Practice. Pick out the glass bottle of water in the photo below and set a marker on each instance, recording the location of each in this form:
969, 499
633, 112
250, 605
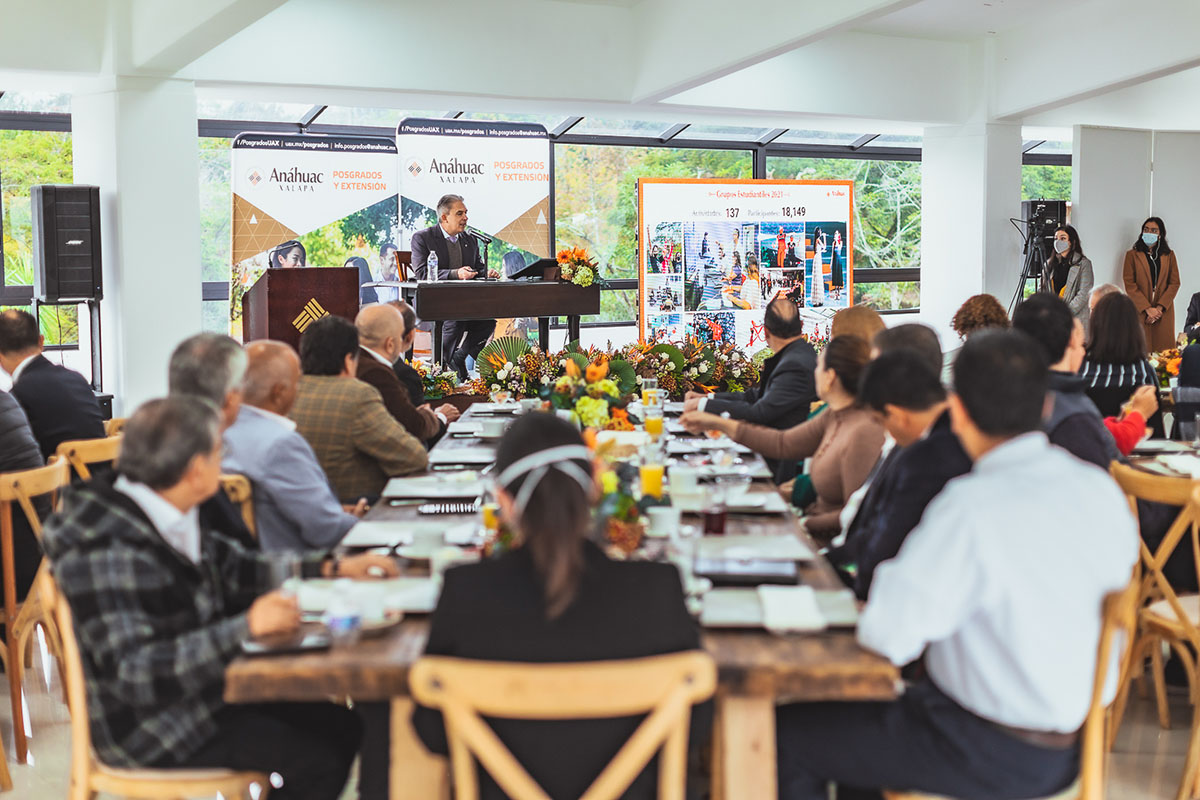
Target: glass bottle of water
343, 616
431, 270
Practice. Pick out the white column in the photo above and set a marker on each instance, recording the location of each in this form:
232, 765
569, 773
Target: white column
1110, 194
1176, 200
138, 143
970, 188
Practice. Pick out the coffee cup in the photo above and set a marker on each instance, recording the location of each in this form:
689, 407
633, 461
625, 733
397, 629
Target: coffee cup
683, 479
664, 521
492, 428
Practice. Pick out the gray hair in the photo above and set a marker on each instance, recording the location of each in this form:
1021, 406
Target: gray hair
163, 436
207, 365
1103, 289
443, 206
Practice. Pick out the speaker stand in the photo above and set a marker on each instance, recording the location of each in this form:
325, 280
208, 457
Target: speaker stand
94, 327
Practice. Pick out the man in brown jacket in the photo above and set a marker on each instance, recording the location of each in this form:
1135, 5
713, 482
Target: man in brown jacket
359, 444
381, 334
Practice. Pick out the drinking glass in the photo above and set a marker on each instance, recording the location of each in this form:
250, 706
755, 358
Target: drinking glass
716, 511
649, 391
284, 573
653, 417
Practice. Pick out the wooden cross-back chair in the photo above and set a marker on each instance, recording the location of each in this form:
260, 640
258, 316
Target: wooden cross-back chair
1165, 614
664, 687
241, 493
82, 454
114, 426
1119, 613
89, 775
20, 620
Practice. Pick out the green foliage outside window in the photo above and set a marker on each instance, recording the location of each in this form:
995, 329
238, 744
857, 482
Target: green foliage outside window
29, 158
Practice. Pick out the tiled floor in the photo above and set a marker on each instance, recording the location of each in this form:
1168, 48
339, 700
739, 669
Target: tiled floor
1145, 765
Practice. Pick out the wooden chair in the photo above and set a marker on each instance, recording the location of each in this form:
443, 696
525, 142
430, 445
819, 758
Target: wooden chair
82, 453
1119, 621
1166, 615
665, 687
89, 776
20, 620
238, 489
114, 426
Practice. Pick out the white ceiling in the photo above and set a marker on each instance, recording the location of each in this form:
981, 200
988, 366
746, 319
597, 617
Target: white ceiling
891, 65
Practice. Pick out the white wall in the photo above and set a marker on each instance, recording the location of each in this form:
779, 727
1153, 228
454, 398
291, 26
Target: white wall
137, 142
970, 187
1176, 198
1110, 194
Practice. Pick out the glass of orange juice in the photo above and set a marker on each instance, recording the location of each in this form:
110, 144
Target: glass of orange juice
653, 418
491, 516
652, 479
649, 391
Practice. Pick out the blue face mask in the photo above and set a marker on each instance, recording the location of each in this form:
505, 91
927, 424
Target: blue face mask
1150, 239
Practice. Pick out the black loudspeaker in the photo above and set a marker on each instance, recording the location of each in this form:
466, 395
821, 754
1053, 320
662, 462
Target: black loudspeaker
66, 243
1043, 217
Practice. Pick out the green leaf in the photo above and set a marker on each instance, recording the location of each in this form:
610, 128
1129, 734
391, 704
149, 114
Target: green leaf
621, 371
508, 348
673, 353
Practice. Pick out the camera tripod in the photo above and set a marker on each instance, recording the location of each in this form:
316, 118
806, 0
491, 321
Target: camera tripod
1035, 259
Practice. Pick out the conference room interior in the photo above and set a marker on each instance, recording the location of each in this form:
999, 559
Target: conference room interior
944, 115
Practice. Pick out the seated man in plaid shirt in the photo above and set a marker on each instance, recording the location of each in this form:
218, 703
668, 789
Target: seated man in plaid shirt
162, 605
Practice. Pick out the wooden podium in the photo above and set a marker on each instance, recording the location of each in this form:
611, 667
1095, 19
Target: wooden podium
283, 302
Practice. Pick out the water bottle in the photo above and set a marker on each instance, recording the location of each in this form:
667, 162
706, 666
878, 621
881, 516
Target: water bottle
343, 616
432, 269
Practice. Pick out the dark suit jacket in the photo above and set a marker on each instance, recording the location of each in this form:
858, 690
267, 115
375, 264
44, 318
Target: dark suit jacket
433, 239
424, 426
906, 484
19, 451
411, 380
1193, 312
59, 403
781, 400
625, 609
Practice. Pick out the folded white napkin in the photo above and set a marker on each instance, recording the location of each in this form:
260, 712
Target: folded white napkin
1184, 464
788, 609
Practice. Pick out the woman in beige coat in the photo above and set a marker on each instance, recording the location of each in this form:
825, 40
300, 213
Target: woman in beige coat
1151, 276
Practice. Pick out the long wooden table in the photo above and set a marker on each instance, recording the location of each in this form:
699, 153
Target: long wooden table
756, 671
441, 301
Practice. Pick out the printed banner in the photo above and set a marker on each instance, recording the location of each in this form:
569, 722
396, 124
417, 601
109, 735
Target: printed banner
713, 253
501, 169
336, 196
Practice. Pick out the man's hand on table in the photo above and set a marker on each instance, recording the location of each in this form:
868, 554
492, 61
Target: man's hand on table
493, 274
364, 565
466, 273
449, 412
274, 614
359, 509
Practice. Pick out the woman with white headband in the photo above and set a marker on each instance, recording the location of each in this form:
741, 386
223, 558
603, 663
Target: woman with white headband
556, 597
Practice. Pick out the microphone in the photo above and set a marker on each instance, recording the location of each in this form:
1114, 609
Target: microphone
480, 235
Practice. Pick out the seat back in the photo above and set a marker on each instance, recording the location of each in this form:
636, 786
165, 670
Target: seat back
114, 426
663, 687
240, 492
82, 453
1140, 485
72, 665
22, 487
1119, 623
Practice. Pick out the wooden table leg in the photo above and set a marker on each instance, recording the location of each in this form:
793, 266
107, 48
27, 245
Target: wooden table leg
744, 749
414, 773
544, 334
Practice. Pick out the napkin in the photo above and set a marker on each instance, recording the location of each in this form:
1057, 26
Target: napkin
1185, 464
436, 487
763, 547
379, 533
462, 455
788, 609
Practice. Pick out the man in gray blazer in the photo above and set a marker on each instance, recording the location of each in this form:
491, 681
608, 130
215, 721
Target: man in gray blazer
294, 505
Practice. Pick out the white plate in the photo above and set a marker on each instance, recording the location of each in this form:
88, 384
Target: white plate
494, 408
742, 608
754, 547
1161, 446
412, 595
436, 487
462, 455
752, 503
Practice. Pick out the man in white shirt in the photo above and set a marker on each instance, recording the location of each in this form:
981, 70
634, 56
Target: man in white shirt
294, 505
1000, 588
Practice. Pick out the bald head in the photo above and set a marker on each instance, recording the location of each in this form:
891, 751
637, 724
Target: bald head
272, 376
381, 328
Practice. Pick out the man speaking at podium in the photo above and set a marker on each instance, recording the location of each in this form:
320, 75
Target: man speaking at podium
457, 258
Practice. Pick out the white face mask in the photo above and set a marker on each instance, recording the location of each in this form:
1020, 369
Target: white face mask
1061, 246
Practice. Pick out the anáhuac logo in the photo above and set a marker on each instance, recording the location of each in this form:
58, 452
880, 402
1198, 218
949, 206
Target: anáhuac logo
414, 168
254, 176
455, 171
296, 180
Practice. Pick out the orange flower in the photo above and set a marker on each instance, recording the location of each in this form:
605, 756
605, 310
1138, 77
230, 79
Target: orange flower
589, 438
597, 371
1173, 366
704, 388
572, 368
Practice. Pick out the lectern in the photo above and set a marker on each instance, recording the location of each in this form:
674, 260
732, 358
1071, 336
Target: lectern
283, 302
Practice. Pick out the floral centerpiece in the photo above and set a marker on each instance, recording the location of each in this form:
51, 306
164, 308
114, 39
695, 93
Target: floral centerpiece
576, 266
735, 371
437, 382
596, 393
619, 509
1166, 364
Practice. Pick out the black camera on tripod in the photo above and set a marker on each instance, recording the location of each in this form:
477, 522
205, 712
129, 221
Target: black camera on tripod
1042, 218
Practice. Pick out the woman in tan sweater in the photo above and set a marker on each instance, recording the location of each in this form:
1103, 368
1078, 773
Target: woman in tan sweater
843, 442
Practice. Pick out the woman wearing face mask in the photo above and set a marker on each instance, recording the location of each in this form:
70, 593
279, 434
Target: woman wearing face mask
1068, 273
1151, 280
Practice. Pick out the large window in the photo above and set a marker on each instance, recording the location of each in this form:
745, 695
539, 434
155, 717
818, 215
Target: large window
887, 219
216, 219
1045, 182
29, 158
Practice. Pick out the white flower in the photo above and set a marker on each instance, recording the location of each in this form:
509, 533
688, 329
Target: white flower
508, 363
705, 366
639, 379
545, 381
495, 387
737, 372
